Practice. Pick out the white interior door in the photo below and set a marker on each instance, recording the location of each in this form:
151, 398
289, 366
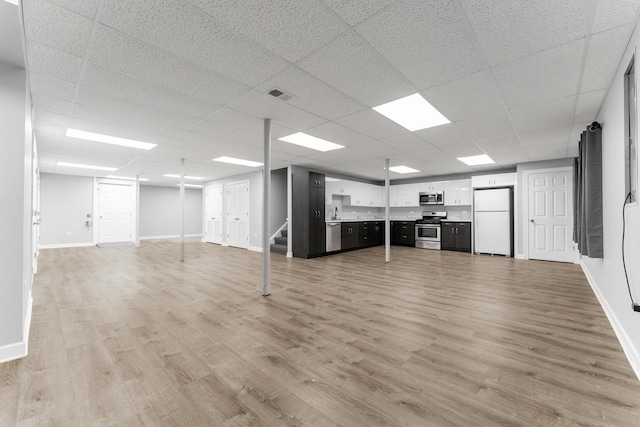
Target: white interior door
238, 214
35, 235
115, 204
550, 226
213, 214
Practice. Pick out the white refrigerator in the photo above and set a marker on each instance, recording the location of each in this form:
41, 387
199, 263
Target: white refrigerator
493, 221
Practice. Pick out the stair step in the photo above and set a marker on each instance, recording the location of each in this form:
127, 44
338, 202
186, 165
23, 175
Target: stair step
280, 240
284, 233
281, 249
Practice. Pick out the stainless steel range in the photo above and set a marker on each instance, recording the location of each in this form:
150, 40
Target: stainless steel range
428, 230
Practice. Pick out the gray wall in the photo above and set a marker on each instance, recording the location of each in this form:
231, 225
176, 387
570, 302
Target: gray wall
160, 211
15, 210
65, 201
278, 199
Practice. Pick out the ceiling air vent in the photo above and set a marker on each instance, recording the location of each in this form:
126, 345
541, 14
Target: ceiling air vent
280, 94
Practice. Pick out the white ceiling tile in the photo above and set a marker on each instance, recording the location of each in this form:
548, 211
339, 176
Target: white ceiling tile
372, 124
589, 105
356, 11
463, 149
407, 142
126, 107
238, 120
603, 58
261, 105
504, 143
442, 135
124, 86
546, 136
86, 8
548, 152
181, 29
489, 127
44, 85
380, 149
54, 63
311, 94
289, 28
48, 103
613, 13
517, 28
550, 74
552, 113
352, 66
122, 53
429, 42
333, 132
46, 117
56, 27
473, 93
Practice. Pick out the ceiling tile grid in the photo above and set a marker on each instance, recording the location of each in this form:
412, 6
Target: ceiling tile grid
54, 63
602, 60
355, 11
44, 84
180, 28
290, 28
429, 42
613, 13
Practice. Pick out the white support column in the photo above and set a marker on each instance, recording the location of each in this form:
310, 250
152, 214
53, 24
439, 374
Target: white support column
289, 213
137, 210
266, 211
387, 221
182, 210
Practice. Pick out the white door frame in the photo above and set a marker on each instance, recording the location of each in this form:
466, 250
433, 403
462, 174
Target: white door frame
525, 210
96, 206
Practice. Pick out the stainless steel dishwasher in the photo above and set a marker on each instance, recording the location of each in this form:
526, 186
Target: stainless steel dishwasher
334, 237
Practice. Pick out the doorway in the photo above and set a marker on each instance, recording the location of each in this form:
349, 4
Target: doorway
116, 203
213, 212
238, 201
550, 215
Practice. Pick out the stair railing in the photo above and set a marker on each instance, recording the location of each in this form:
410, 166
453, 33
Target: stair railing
272, 240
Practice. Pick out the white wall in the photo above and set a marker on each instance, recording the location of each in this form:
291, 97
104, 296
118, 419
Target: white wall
15, 212
255, 207
160, 211
607, 275
65, 201
278, 201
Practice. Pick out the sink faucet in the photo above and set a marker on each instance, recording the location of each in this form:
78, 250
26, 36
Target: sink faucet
335, 215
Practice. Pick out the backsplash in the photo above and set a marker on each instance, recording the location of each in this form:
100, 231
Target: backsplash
360, 212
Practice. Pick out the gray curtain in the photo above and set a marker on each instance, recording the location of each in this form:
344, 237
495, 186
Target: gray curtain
587, 218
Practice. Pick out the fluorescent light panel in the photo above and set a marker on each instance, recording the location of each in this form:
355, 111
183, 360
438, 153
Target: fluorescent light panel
482, 159
311, 142
234, 161
81, 166
412, 112
173, 175
403, 169
80, 134
191, 185
12, 1
329, 179
128, 178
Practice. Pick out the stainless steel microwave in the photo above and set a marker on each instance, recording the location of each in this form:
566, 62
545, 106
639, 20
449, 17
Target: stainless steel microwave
432, 198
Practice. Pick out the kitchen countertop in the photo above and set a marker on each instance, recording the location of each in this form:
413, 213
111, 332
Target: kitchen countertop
457, 220
334, 221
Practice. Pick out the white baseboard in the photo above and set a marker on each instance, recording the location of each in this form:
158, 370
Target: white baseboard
13, 351
66, 245
27, 323
224, 244
255, 248
168, 236
630, 350
289, 254
519, 256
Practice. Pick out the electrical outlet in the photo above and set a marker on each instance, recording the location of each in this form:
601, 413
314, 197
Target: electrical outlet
636, 307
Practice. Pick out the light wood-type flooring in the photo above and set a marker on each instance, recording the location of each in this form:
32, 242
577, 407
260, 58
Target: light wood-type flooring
131, 336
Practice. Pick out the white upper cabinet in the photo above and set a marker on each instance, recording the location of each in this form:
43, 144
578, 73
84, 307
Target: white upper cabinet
404, 195
328, 192
495, 180
430, 187
342, 187
363, 194
457, 193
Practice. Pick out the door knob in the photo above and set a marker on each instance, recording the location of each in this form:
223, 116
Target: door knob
531, 221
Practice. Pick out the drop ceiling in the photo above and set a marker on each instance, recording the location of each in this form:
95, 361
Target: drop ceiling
518, 79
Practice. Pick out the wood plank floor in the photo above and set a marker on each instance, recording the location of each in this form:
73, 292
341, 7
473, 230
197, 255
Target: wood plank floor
131, 336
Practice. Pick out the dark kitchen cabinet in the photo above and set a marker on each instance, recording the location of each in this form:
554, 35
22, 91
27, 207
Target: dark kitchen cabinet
456, 236
377, 233
350, 234
309, 230
403, 233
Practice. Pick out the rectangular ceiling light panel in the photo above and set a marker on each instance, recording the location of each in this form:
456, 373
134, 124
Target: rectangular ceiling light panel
12, 1
97, 137
81, 166
482, 159
234, 161
412, 112
173, 175
402, 169
128, 178
311, 142
191, 185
